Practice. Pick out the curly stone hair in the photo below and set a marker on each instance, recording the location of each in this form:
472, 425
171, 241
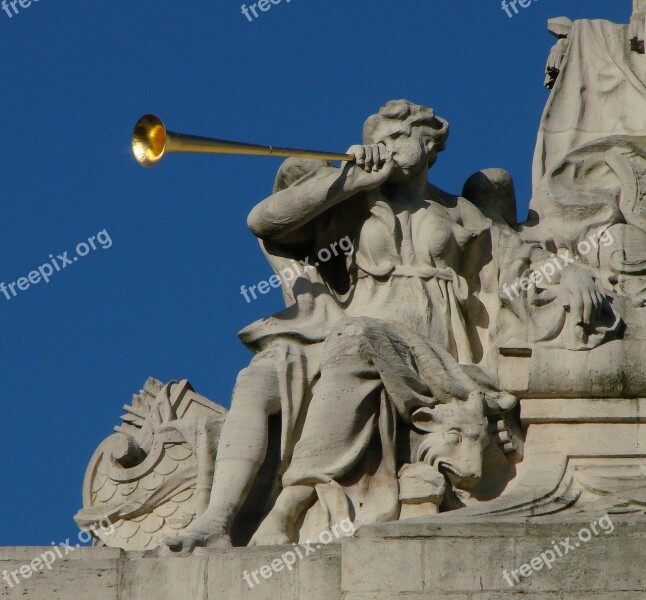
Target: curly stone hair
401, 116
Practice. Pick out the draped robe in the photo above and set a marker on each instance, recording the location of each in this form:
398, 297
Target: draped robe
372, 336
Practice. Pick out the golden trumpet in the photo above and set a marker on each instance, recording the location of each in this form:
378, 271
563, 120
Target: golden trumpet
151, 140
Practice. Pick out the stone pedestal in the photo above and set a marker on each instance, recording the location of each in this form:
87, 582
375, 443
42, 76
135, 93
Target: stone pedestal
584, 456
465, 561
581, 479
110, 574
409, 560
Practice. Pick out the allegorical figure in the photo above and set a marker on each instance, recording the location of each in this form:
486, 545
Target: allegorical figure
381, 337
590, 161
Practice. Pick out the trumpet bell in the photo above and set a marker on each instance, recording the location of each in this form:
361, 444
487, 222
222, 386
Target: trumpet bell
149, 140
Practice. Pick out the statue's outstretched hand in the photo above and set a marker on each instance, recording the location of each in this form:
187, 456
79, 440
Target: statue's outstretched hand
581, 294
372, 167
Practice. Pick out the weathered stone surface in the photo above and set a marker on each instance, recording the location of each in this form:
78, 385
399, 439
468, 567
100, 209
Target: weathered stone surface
603, 595
109, 574
90, 571
626, 562
445, 557
453, 562
516, 596
167, 579
457, 559
399, 568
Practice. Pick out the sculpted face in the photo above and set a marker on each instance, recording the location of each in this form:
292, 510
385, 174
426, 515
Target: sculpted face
458, 435
412, 133
412, 153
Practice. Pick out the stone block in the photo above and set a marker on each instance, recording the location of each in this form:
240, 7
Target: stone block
83, 570
464, 565
167, 578
378, 566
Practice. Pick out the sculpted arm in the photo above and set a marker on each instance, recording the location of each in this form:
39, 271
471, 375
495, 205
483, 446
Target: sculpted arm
577, 286
285, 214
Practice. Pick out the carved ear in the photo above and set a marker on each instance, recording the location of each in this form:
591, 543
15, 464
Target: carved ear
499, 402
426, 419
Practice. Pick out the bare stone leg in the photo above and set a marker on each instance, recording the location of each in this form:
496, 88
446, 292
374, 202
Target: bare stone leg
349, 388
278, 526
241, 451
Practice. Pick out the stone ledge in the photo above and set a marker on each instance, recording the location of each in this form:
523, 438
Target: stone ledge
583, 410
409, 560
110, 574
465, 560
443, 525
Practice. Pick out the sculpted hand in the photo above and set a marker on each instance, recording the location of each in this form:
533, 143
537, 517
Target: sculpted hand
580, 292
372, 167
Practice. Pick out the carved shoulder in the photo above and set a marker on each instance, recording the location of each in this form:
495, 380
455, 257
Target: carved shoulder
560, 28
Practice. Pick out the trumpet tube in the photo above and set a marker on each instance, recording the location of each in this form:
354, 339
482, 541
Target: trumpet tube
151, 141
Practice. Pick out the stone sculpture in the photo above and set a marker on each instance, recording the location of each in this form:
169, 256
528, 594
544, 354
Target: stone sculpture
590, 156
154, 475
405, 322
453, 361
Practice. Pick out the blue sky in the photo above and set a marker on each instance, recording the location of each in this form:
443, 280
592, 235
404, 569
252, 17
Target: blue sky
164, 299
